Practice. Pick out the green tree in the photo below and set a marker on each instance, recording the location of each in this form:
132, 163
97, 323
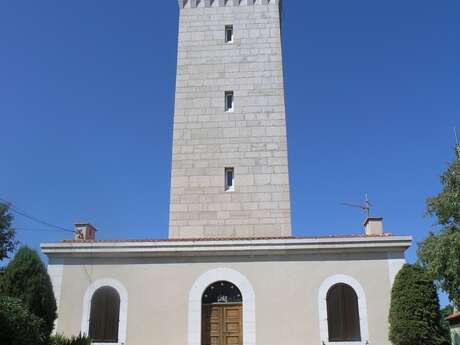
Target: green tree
26, 278
2, 270
18, 326
7, 232
440, 252
415, 318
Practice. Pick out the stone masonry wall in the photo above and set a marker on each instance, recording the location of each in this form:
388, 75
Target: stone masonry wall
251, 139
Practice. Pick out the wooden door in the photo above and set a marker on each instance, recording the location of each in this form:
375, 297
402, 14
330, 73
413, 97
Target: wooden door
222, 324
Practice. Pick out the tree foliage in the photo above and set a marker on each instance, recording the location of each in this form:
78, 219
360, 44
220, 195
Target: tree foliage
18, 326
26, 278
446, 205
7, 232
415, 318
440, 253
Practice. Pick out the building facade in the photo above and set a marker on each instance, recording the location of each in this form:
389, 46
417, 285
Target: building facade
230, 272
284, 285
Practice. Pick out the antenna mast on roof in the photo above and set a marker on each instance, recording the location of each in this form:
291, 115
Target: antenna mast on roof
457, 144
366, 206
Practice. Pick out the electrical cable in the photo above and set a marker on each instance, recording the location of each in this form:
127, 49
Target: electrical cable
24, 214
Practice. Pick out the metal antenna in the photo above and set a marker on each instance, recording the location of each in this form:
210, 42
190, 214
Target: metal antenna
366, 206
457, 144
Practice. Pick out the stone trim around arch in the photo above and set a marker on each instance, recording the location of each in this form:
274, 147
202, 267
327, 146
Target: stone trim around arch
249, 303
123, 323
362, 306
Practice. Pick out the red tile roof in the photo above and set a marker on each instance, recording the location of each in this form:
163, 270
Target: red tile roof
203, 239
455, 317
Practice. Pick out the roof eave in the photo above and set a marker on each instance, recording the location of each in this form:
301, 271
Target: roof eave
229, 247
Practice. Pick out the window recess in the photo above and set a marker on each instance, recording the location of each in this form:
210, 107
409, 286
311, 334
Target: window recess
229, 179
229, 101
229, 34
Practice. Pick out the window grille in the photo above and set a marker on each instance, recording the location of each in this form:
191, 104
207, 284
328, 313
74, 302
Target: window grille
222, 292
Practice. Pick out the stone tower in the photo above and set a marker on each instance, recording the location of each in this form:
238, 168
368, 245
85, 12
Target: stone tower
230, 165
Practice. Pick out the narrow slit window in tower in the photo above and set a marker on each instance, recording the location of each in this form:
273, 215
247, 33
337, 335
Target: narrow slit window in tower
229, 34
229, 179
229, 101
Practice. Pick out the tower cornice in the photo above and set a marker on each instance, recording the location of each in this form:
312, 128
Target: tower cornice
226, 3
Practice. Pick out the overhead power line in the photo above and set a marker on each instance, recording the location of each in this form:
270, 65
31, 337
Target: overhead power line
37, 229
24, 214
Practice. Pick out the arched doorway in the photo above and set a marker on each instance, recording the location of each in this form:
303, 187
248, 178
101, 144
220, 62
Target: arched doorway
222, 315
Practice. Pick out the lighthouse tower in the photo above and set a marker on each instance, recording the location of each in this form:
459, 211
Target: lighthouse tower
230, 163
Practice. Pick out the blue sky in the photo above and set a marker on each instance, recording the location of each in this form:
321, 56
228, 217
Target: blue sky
86, 106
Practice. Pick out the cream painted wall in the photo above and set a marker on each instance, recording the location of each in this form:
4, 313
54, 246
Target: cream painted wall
286, 294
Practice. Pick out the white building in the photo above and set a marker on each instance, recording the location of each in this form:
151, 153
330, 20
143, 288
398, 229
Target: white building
230, 273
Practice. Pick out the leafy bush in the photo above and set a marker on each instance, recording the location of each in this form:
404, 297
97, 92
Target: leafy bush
60, 339
80, 340
414, 313
26, 278
17, 325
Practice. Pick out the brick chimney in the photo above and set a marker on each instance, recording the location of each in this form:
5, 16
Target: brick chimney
374, 226
85, 232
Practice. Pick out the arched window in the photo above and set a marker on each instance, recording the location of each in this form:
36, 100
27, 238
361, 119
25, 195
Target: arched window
222, 292
343, 314
104, 315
